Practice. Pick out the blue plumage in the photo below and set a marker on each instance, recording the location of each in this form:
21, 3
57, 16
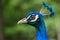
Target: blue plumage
35, 19
40, 26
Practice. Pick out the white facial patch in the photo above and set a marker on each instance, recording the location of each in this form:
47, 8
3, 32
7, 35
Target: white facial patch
36, 17
28, 17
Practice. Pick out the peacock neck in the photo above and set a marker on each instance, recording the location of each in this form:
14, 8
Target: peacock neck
41, 34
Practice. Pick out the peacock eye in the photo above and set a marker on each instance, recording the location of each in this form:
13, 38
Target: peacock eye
32, 17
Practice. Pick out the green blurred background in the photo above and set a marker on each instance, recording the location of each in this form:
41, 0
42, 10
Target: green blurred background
14, 10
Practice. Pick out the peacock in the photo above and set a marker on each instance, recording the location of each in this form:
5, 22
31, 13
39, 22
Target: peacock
35, 18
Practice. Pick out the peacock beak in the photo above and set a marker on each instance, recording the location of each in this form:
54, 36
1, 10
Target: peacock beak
24, 20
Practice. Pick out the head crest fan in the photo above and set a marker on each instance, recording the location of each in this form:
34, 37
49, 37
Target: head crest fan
42, 10
48, 7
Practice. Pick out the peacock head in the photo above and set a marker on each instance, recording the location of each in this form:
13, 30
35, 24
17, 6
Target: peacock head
32, 18
35, 18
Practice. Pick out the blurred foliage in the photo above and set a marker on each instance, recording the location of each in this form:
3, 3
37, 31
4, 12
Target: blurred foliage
15, 10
